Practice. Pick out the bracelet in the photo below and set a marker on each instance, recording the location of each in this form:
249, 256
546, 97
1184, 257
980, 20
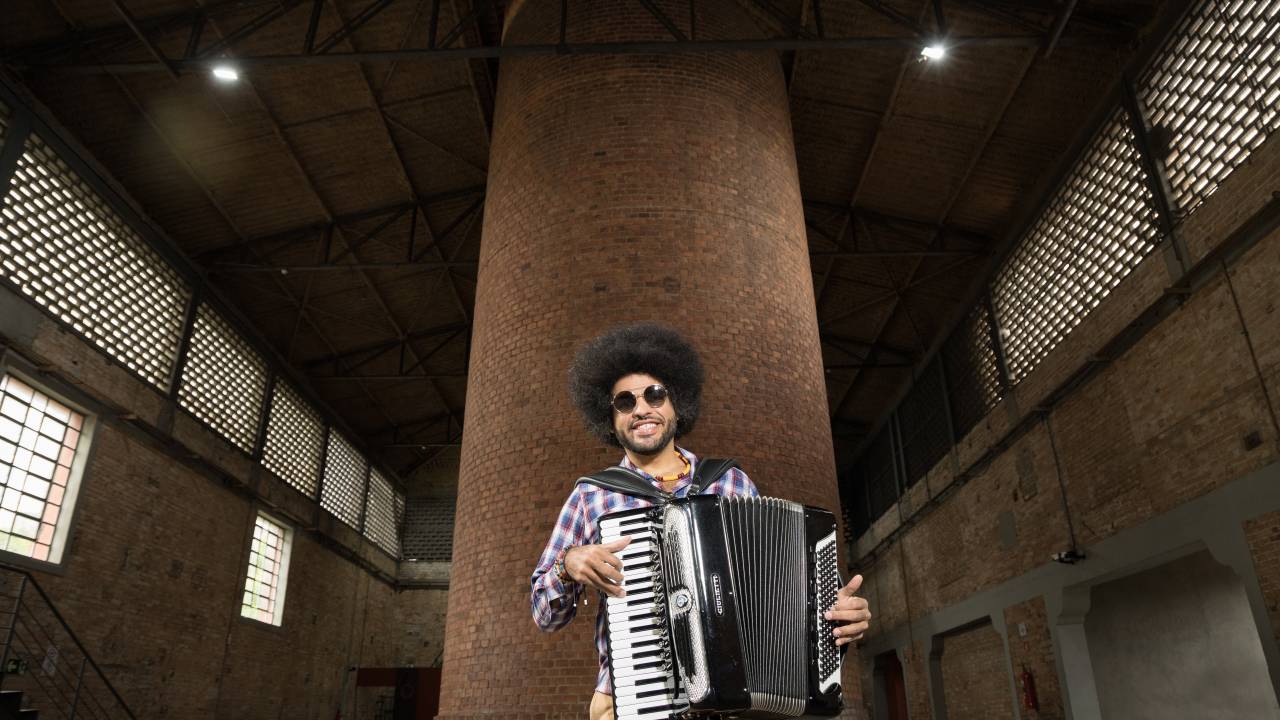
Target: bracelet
561, 572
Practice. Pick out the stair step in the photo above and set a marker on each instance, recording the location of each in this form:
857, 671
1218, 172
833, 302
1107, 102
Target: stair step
11, 700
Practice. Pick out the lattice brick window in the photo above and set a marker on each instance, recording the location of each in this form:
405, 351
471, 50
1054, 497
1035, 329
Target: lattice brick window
428, 529
295, 440
63, 247
923, 424
223, 380
43, 444
1098, 227
973, 376
1216, 87
265, 580
384, 513
345, 470
876, 468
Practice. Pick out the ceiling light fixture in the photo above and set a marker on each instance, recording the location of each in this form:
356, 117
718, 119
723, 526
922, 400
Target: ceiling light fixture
225, 73
933, 51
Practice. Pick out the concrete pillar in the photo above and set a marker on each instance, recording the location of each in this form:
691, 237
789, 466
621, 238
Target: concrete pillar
1067, 610
622, 188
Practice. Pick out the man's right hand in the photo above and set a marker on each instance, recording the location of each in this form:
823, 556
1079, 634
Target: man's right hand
597, 566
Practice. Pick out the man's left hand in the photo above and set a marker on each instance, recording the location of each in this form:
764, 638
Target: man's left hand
851, 610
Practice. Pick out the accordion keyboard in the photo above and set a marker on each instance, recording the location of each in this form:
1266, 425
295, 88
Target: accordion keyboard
640, 657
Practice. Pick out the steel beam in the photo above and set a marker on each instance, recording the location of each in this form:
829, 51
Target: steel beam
370, 11
387, 378
229, 41
661, 17
1059, 24
868, 364
142, 36
383, 345
924, 253
1157, 178
888, 219
901, 290
310, 229
241, 268
250, 62
845, 345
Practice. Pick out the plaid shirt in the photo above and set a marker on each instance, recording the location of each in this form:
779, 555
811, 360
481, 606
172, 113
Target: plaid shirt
554, 603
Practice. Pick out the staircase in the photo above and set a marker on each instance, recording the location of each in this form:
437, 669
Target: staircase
45, 671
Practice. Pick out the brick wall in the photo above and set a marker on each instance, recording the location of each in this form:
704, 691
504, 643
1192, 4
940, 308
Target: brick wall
623, 188
1186, 410
155, 564
1031, 649
428, 529
973, 678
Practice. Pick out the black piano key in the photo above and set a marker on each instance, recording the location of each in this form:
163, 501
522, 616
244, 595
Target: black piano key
652, 693
658, 711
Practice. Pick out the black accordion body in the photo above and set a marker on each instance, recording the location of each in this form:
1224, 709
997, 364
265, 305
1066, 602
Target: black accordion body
723, 611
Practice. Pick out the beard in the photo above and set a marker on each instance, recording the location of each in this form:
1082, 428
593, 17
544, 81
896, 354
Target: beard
649, 446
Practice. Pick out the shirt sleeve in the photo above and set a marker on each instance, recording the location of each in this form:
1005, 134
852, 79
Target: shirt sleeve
555, 603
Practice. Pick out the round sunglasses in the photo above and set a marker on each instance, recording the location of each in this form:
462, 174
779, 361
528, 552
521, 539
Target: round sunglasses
625, 401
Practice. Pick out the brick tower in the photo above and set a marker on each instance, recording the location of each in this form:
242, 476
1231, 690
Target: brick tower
622, 188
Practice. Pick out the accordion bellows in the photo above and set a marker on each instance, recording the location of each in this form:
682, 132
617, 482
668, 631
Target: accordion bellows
723, 612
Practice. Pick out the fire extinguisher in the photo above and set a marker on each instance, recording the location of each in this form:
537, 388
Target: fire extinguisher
1029, 699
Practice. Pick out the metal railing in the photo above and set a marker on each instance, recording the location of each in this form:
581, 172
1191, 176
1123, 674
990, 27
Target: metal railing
43, 658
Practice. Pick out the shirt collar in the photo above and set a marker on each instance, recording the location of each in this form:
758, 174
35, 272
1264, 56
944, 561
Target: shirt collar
680, 486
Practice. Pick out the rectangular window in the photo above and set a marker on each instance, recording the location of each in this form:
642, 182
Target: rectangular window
43, 446
1215, 87
345, 470
973, 375
264, 583
223, 380
1099, 225
384, 513
876, 469
922, 422
295, 440
65, 248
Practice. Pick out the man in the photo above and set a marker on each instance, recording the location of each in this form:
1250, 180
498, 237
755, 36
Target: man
639, 387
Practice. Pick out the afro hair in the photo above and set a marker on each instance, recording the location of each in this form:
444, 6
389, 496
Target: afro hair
639, 348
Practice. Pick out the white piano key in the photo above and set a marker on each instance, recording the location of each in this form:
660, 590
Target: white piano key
627, 639
617, 616
647, 710
626, 655
636, 544
664, 681
637, 599
622, 625
631, 693
635, 680
667, 693
637, 520
647, 667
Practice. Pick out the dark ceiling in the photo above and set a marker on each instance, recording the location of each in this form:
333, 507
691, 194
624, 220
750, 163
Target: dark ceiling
354, 152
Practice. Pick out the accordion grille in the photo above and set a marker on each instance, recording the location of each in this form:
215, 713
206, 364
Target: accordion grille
766, 539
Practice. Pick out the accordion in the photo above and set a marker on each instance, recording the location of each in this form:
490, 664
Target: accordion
723, 610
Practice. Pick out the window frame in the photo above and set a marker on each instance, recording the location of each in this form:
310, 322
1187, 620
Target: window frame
64, 538
286, 557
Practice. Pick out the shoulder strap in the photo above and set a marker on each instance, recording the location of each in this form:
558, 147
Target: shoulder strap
627, 482
710, 470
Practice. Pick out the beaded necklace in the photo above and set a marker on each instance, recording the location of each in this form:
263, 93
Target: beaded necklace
665, 479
